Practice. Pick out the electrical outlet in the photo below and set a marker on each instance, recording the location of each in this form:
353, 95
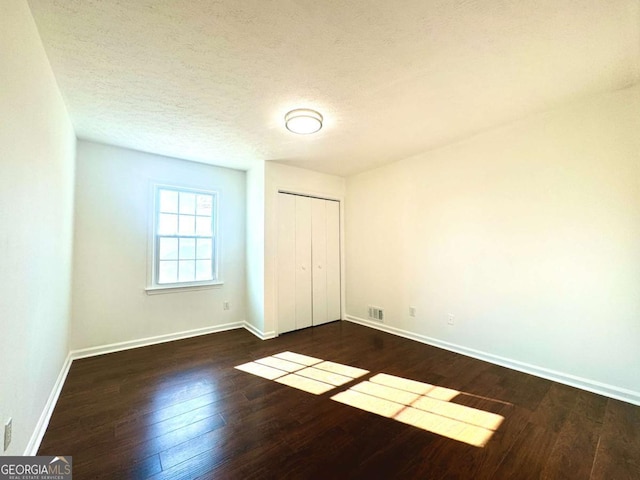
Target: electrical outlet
226, 306
7, 433
412, 311
451, 319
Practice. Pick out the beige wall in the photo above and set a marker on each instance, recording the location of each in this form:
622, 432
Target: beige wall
113, 212
528, 234
37, 144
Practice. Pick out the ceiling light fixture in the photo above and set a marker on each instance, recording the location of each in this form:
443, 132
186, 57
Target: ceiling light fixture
303, 121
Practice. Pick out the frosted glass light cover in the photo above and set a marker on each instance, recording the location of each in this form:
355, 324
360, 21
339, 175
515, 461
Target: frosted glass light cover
303, 121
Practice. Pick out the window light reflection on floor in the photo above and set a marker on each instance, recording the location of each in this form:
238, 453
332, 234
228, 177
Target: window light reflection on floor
312, 375
424, 406
421, 405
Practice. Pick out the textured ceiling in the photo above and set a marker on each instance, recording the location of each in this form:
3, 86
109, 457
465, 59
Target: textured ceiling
211, 80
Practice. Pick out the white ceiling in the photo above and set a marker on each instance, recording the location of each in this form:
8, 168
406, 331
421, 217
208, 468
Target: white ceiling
211, 80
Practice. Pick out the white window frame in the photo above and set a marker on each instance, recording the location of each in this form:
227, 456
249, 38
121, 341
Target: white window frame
153, 287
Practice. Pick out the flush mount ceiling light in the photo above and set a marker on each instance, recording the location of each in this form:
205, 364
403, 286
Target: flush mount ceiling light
303, 121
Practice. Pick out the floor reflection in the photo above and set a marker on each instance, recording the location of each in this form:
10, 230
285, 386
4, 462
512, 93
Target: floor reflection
310, 374
414, 403
423, 406
184, 407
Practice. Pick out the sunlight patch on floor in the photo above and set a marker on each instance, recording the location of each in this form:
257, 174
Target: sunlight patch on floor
296, 357
423, 406
312, 375
402, 383
419, 404
376, 405
340, 369
386, 393
324, 376
280, 364
413, 386
303, 383
261, 370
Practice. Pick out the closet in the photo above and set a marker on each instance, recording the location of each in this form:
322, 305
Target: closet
308, 261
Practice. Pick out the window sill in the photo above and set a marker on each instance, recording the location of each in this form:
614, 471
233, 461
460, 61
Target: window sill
158, 290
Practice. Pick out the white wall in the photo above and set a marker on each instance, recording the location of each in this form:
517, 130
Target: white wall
37, 144
113, 211
255, 246
295, 180
528, 234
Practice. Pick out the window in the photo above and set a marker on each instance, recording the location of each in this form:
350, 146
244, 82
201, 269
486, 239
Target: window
184, 238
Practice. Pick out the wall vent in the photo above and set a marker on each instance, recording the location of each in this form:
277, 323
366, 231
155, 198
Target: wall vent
376, 313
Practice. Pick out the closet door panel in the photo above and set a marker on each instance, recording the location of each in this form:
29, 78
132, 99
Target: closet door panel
309, 287
304, 267
286, 263
333, 260
319, 258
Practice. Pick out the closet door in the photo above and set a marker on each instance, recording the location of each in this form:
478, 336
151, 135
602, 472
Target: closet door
325, 248
319, 259
294, 262
333, 261
286, 263
303, 262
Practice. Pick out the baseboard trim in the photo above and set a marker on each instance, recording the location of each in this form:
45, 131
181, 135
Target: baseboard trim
43, 421
593, 386
259, 333
45, 416
143, 342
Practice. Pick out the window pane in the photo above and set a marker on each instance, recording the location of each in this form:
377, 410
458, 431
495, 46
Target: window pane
187, 271
168, 272
188, 203
168, 201
187, 248
168, 249
203, 226
187, 225
203, 270
184, 236
204, 204
167, 224
204, 248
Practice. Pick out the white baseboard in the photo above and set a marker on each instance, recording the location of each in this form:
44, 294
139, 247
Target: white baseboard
143, 342
259, 333
43, 421
45, 416
607, 390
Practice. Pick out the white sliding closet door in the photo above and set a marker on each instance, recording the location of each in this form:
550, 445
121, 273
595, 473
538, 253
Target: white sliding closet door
303, 261
294, 262
319, 259
286, 263
308, 262
333, 261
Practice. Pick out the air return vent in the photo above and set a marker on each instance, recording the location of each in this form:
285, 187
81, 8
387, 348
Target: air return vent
376, 313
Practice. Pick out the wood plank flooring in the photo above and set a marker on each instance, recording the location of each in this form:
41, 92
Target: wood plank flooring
180, 410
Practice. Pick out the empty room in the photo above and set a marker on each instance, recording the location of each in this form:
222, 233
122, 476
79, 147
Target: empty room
307, 239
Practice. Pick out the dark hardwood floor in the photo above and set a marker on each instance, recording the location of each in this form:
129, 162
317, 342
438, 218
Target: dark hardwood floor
180, 410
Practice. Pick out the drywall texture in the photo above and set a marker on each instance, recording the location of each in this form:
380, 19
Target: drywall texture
37, 145
294, 180
114, 209
528, 234
255, 246
212, 80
